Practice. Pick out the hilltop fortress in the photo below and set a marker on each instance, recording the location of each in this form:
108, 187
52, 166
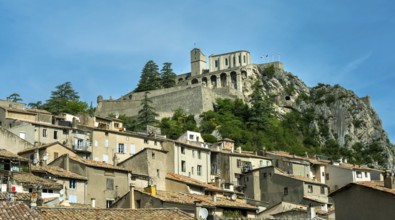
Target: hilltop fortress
228, 75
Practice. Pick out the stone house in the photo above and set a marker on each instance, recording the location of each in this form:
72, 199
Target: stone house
271, 186
112, 146
188, 160
230, 166
340, 174
193, 138
365, 200
105, 182
149, 163
190, 203
12, 142
45, 154
73, 184
35, 126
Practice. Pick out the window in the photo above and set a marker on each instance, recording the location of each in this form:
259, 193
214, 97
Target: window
327, 176
22, 135
158, 173
109, 203
199, 170
138, 203
285, 191
238, 163
234, 61
199, 154
261, 163
183, 166
309, 188
191, 137
193, 153
132, 149
55, 155
153, 155
322, 190
240, 59
121, 148
47, 190
110, 184
359, 174
264, 175
72, 199
116, 125
193, 170
106, 143
65, 131
216, 63
72, 184
55, 135
145, 141
226, 61
366, 174
244, 57
44, 132
183, 150
323, 173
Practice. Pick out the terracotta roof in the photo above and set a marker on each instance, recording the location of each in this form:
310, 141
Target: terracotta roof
5, 154
113, 214
17, 210
242, 154
206, 201
44, 146
31, 180
192, 181
316, 200
57, 172
93, 163
19, 196
375, 185
304, 179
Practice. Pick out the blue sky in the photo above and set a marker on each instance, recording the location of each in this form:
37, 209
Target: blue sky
102, 46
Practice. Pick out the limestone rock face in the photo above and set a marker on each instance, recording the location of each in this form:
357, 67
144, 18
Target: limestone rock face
338, 113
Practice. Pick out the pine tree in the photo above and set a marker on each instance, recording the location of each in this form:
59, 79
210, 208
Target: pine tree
261, 110
65, 100
150, 78
168, 76
147, 114
15, 97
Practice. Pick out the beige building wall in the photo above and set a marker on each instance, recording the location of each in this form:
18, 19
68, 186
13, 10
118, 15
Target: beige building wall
105, 145
236, 169
78, 193
49, 134
187, 157
337, 176
12, 142
229, 60
21, 116
51, 153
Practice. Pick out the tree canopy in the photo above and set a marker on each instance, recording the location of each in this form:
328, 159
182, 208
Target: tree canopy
168, 76
15, 97
146, 115
64, 100
150, 78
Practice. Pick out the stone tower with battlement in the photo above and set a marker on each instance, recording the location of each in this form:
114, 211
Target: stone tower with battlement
198, 62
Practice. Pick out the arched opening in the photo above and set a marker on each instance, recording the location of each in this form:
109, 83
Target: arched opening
223, 80
244, 74
204, 81
195, 81
180, 80
213, 81
287, 98
233, 77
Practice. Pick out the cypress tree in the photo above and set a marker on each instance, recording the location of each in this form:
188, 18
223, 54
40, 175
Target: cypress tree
150, 78
168, 76
147, 114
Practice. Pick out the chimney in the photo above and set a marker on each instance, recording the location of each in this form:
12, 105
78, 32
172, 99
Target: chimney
238, 149
198, 206
232, 149
66, 162
311, 212
214, 197
151, 189
388, 180
74, 123
217, 181
131, 196
93, 202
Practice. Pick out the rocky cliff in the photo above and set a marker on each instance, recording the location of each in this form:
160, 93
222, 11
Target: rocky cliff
335, 112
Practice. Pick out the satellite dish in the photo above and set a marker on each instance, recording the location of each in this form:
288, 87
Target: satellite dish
233, 197
45, 158
203, 213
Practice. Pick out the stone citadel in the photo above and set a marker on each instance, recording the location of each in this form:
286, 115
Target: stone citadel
228, 76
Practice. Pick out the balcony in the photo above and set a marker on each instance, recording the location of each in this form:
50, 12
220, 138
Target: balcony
81, 147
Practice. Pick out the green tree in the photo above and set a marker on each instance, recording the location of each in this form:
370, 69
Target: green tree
150, 78
168, 76
15, 97
146, 115
65, 100
35, 105
261, 110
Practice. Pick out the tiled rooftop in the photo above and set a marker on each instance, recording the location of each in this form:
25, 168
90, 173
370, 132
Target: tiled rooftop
98, 164
30, 180
112, 214
304, 179
8, 155
42, 147
192, 181
18, 196
57, 172
206, 201
17, 211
